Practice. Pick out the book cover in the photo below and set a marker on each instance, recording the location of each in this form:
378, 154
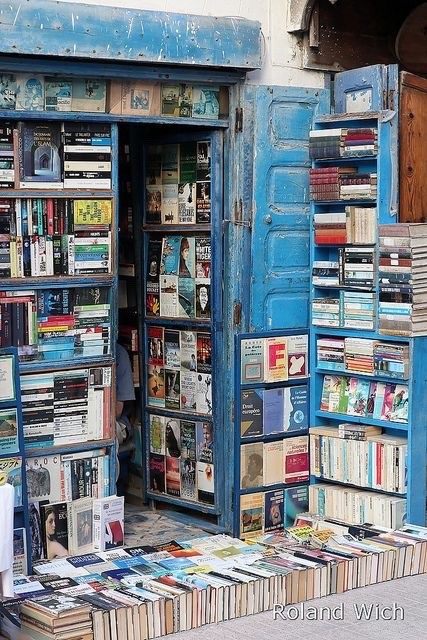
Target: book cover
152, 294
44, 478
296, 459
29, 92
399, 409
205, 482
11, 473
203, 298
295, 408
188, 478
295, 502
251, 514
108, 523
297, 355
205, 102
273, 467
157, 434
252, 360
172, 389
20, 559
173, 478
186, 203
8, 431
251, 412
204, 393
58, 93
388, 399
205, 441
7, 91
273, 510
156, 464
153, 204
156, 386
7, 379
203, 202
134, 97
80, 526
251, 465
88, 94
171, 252
54, 519
276, 359
39, 155
186, 298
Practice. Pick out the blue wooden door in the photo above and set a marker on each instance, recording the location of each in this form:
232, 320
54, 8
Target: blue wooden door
372, 88
282, 118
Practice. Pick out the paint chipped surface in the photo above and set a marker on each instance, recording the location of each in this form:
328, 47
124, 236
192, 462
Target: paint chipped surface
43, 26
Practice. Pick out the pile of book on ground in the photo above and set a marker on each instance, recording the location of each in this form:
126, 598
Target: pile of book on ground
147, 592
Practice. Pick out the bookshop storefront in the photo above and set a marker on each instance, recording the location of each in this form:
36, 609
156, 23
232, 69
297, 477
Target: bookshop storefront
138, 123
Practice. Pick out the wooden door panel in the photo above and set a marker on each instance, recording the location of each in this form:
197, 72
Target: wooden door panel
413, 149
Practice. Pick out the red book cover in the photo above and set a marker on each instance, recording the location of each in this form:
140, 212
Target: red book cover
296, 459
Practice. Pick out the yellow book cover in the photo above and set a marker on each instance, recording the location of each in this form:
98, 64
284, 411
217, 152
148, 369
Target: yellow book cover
93, 212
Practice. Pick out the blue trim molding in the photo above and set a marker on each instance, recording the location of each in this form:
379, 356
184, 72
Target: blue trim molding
82, 31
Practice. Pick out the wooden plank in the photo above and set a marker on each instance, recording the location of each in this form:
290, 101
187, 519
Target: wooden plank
74, 30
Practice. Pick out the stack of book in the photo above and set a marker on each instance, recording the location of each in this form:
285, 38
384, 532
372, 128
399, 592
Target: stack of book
325, 182
330, 353
357, 310
358, 186
326, 312
87, 155
354, 225
359, 355
402, 279
391, 359
56, 615
342, 142
357, 266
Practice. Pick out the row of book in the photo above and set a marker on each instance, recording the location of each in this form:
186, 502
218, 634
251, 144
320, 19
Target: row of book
363, 355
341, 183
37, 92
179, 277
354, 225
276, 410
56, 324
181, 458
273, 359
375, 462
364, 398
150, 591
178, 183
272, 510
179, 370
356, 506
343, 142
66, 407
350, 309
402, 280
355, 267
282, 461
68, 476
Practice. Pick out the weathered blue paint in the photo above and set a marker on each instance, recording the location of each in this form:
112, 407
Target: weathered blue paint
74, 30
372, 88
281, 206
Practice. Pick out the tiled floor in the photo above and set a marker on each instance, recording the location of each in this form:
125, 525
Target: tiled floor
143, 526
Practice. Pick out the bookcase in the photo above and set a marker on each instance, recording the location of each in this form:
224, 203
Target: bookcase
58, 280
182, 314
271, 468
12, 460
367, 399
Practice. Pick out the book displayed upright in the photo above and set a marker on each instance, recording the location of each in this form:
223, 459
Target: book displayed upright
39, 155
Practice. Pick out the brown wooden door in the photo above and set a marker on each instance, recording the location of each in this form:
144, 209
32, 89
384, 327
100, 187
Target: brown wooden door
413, 149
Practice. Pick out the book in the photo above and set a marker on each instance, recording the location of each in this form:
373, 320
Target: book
108, 523
8, 431
251, 465
39, 155
273, 510
251, 514
295, 502
7, 91
88, 94
251, 412
252, 360
134, 97
54, 518
44, 478
296, 465
80, 526
58, 93
29, 92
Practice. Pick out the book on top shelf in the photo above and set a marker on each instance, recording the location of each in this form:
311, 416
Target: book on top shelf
29, 92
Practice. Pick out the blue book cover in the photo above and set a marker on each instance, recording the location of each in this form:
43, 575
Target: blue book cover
119, 573
295, 502
273, 510
170, 255
296, 408
84, 559
274, 410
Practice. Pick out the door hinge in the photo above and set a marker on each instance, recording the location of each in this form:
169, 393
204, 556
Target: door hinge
237, 314
239, 120
238, 211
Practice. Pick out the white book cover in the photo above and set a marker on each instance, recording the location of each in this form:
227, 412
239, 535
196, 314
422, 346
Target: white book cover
80, 526
88, 94
108, 523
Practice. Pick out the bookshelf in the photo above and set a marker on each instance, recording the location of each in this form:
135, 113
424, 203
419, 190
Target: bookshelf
372, 469
271, 469
181, 318
12, 455
58, 282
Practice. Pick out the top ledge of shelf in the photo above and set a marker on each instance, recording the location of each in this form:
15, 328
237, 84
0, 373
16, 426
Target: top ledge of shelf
382, 116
